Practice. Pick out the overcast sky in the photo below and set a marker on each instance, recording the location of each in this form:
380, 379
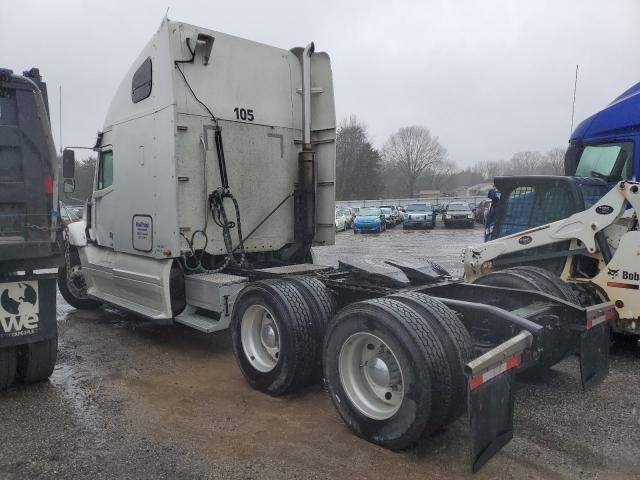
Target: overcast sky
488, 77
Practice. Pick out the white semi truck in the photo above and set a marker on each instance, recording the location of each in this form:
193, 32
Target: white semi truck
215, 177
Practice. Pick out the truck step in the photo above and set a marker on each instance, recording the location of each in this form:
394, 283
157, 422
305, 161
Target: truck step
202, 323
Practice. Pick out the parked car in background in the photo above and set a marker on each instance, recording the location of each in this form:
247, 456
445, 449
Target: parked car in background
369, 219
354, 213
419, 215
458, 214
348, 213
341, 220
395, 214
389, 217
481, 211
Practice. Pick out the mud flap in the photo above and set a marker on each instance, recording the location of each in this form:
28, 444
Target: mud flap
490, 410
490, 398
594, 354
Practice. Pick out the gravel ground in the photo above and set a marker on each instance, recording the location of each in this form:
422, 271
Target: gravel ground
133, 399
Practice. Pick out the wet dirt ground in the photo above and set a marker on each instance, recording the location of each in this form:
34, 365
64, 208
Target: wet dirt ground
133, 399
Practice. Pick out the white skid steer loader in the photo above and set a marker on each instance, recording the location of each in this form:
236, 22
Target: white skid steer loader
602, 259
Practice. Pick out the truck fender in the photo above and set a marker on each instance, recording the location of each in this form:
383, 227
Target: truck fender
77, 234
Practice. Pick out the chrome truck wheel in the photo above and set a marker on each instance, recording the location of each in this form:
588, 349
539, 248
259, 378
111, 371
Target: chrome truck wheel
275, 337
260, 337
371, 376
387, 372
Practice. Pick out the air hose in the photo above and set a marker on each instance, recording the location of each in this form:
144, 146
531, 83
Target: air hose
216, 198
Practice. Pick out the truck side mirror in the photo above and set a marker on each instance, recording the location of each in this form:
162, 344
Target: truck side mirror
68, 164
69, 185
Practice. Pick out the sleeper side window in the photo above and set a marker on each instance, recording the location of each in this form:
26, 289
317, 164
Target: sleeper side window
141, 83
105, 170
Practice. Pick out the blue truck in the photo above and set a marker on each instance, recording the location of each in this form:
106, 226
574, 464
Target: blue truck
605, 144
603, 147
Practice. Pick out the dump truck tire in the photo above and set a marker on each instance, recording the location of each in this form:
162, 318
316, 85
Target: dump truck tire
69, 290
8, 366
455, 339
274, 337
387, 373
37, 360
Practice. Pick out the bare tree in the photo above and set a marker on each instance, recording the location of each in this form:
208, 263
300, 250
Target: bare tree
413, 151
525, 163
554, 161
439, 176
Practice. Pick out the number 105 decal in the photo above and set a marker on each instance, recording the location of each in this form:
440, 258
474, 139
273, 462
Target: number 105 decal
243, 113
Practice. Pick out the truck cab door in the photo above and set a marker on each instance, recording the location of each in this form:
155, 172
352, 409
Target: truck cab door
103, 200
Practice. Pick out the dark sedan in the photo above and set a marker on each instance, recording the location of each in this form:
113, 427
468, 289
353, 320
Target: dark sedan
458, 214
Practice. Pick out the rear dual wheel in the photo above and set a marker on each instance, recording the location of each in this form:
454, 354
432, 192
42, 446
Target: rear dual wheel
277, 328
8, 367
388, 370
37, 360
29, 363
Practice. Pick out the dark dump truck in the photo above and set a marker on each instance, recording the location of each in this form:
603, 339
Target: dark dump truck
31, 243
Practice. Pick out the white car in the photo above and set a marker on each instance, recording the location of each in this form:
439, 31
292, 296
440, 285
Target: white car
341, 220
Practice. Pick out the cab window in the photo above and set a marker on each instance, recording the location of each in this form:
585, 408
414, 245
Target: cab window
609, 161
105, 170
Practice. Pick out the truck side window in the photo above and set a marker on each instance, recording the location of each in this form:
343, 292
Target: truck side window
609, 161
141, 83
105, 172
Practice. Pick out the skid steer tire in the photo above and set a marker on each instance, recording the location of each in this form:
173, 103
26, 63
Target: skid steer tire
549, 283
37, 360
71, 292
274, 337
398, 401
587, 294
8, 366
456, 342
537, 280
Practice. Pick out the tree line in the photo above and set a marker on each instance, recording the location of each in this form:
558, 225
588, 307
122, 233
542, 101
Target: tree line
412, 159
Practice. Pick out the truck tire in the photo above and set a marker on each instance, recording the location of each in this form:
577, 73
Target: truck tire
274, 337
37, 360
455, 339
538, 280
74, 291
322, 304
387, 372
8, 366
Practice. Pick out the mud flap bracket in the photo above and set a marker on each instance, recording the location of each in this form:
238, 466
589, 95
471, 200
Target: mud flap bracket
490, 398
